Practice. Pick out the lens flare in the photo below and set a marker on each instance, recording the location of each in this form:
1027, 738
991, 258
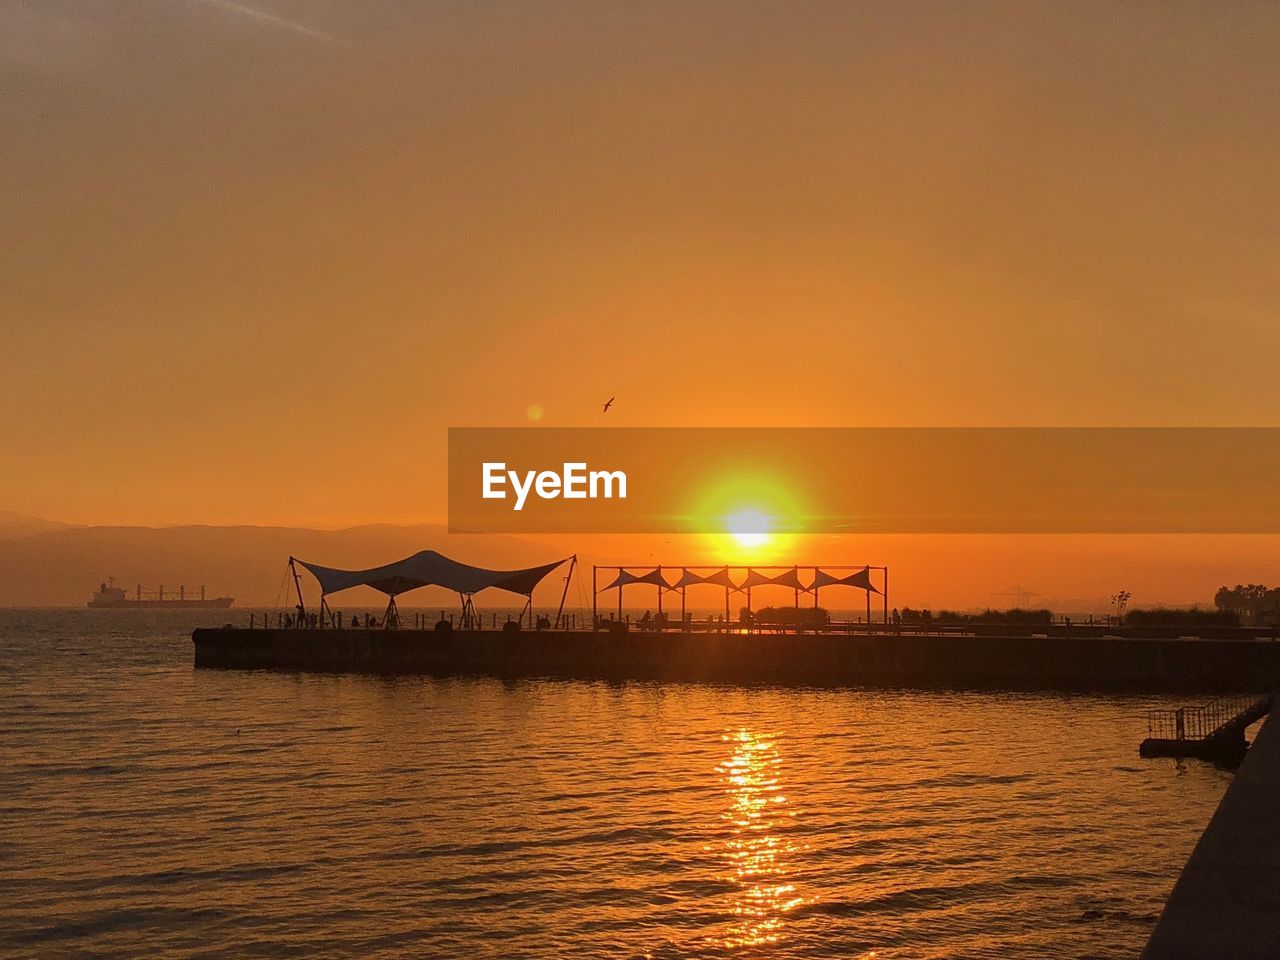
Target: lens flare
747, 513
749, 528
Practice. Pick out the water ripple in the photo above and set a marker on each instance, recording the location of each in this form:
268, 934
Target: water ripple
149, 809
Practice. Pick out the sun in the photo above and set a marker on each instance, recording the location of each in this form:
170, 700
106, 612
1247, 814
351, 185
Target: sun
749, 528
747, 513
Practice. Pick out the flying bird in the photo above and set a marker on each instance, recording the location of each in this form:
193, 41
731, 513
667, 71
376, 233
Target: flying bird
608, 405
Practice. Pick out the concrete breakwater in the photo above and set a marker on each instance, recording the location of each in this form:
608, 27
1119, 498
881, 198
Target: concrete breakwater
1099, 664
1226, 903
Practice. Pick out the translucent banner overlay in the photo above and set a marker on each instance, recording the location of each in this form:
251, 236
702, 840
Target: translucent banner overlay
881, 480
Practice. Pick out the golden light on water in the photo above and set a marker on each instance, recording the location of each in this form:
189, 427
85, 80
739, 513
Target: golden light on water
758, 850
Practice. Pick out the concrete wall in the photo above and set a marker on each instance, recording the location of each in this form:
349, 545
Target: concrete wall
1226, 904
1030, 663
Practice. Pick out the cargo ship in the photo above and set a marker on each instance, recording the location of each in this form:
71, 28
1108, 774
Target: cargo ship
111, 596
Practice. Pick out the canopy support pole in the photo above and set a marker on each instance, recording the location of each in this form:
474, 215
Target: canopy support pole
528, 608
661, 583
885, 596
868, 601
297, 584
391, 617
325, 612
573, 563
595, 599
467, 621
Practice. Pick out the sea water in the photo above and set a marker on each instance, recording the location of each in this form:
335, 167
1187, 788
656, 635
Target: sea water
151, 809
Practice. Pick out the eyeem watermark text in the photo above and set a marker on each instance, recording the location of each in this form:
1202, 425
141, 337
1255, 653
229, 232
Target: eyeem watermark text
573, 482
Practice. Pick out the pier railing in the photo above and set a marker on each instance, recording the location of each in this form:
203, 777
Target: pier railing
1202, 722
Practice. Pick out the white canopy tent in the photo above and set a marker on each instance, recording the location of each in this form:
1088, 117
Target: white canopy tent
427, 568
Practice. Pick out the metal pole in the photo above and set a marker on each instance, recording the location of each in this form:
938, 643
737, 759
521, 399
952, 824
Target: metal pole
868, 599
297, 584
886, 594
661, 583
573, 562
726, 597
595, 597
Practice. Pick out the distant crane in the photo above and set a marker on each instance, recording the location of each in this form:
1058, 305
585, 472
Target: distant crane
1020, 595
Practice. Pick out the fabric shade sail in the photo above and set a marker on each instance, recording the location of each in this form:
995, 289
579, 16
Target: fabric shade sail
625, 577
720, 578
788, 578
429, 569
860, 579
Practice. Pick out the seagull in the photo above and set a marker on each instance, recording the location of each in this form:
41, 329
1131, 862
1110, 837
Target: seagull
608, 405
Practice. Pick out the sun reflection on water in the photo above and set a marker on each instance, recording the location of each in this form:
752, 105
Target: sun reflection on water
758, 850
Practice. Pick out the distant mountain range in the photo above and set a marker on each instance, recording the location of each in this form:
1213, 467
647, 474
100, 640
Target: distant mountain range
20, 525
46, 563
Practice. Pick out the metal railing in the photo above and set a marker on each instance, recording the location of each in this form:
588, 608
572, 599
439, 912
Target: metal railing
1199, 723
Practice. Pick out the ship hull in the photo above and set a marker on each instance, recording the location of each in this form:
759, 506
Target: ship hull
214, 603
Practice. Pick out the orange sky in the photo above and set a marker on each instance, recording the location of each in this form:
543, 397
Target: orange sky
255, 258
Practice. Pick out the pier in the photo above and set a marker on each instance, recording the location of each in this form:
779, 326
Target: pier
1226, 903
1214, 731
926, 660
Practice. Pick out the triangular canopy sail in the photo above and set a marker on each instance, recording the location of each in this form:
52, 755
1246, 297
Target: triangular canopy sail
430, 569
860, 579
625, 577
720, 578
788, 578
